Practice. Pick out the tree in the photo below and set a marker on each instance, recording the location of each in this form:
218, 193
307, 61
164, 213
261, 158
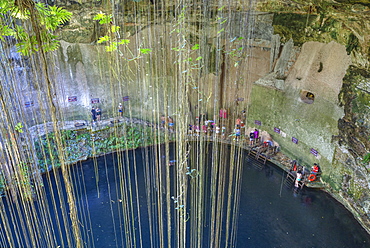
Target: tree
31, 24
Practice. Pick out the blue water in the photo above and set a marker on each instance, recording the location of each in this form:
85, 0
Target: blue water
275, 216
271, 213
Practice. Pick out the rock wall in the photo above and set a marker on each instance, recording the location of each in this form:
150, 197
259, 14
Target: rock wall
283, 106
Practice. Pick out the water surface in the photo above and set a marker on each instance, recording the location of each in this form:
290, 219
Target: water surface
271, 213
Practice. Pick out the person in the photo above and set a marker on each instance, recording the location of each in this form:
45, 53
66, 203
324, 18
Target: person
210, 128
196, 129
268, 143
217, 130
251, 138
120, 109
238, 122
93, 115
190, 130
163, 121
298, 178
237, 133
294, 163
170, 123
223, 131
244, 115
98, 114
256, 134
204, 128
223, 113
315, 169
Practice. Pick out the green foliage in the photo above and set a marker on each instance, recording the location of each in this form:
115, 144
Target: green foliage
23, 180
19, 127
103, 18
68, 134
145, 50
111, 47
366, 158
124, 42
52, 16
177, 49
44, 19
104, 38
352, 43
220, 31
83, 144
5, 30
290, 26
112, 35
178, 27
115, 28
27, 47
195, 47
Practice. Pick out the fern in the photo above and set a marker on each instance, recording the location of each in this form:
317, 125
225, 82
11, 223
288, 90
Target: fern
124, 42
53, 16
27, 47
51, 46
99, 16
5, 30
103, 18
18, 14
20, 33
103, 39
145, 50
50, 18
5, 6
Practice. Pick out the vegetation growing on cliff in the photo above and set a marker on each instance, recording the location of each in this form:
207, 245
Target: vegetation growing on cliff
355, 99
291, 26
80, 145
323, 21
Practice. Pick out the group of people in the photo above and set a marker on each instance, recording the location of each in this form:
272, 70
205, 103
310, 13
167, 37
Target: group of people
167, 122
301, 172
254, 137
218, 126
208, 127
95, 114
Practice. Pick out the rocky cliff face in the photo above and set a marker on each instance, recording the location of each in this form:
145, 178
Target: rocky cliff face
345, 23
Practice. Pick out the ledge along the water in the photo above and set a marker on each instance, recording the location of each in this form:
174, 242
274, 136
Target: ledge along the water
258, 151
264, 154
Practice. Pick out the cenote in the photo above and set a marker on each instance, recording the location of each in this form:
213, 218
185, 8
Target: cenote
116, 213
